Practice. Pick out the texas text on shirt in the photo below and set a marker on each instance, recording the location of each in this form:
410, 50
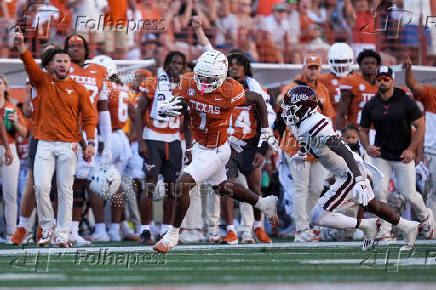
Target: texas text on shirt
210, 112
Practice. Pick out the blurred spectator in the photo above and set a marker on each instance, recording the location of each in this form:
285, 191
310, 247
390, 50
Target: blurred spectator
340, 15
364, 33
226, 26
276, 29
265, 7
246, 29
308, 31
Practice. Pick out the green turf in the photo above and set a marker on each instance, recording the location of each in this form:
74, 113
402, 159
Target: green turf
232, 265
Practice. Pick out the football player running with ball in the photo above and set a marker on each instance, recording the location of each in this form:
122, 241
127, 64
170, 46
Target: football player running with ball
316, 135
211, 96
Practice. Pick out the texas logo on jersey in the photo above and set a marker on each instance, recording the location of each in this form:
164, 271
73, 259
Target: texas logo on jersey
362, 92
210, 113
93, 82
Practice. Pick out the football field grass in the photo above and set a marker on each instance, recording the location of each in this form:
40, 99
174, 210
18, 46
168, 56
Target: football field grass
111, 264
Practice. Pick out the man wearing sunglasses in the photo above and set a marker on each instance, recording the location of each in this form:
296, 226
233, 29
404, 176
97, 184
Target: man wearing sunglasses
392, 113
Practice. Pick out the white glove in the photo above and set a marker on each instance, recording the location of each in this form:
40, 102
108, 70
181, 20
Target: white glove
169, 108
106, 156
362, 191
236, 143
267, 135
298, 161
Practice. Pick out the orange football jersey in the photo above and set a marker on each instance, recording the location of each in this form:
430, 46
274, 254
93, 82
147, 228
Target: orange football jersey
91, 76
210, 113
243, 122
172, 126
362, 92
118, 104
331, 82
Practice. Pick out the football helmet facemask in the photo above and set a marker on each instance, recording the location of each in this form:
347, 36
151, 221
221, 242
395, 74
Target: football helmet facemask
298, 104
340, 58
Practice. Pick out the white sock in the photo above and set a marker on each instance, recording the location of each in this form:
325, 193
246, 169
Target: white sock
75, 227
164, 229
115, 227
25, 222
337, 220
172, 231
125, 226
259, 203
100, 228
145, 228
230, 227
257, 224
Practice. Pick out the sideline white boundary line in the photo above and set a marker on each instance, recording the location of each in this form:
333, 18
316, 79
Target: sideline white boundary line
205, 247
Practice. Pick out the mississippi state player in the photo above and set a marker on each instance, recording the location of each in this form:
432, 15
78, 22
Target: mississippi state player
357, 89
317, 136
159, 141
211, 96
92, 76
340, 58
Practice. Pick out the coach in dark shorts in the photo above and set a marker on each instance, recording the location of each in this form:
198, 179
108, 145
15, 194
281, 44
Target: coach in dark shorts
392, 112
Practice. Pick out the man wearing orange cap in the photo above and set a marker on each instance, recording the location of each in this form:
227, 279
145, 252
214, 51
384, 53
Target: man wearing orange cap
93, 77
308, 179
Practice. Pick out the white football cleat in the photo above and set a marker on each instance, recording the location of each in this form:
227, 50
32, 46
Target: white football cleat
410, 230
115, 236
46, 237
428, 225
370, 228
166, 243
78, 240
99, 237
268, 205
305, 236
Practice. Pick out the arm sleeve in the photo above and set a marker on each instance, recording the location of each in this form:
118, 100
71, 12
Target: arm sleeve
365, 119
105, 126
337, 146
88, 116
36, 75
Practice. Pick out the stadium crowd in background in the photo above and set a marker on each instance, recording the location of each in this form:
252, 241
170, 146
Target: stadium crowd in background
147, 152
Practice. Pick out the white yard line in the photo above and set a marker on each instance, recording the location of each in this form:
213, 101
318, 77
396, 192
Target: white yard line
205, 247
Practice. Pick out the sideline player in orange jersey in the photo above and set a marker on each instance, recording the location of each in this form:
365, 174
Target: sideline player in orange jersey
92, 76
118, 96
357, 89
160, 141
60, 103
340, 58
211, 96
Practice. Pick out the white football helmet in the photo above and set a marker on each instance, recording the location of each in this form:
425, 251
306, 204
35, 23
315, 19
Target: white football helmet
107, 62
105, 180
210, 72
341, 59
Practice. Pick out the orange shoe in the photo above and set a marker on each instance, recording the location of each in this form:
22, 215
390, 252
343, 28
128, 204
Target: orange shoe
38, 233
18, 236
162, 247
261, 236
231, 238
